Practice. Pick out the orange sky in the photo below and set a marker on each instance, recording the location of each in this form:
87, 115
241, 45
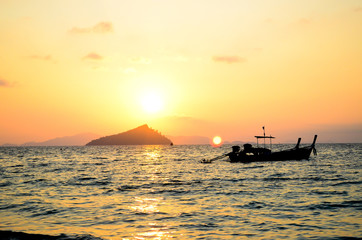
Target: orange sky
217, 68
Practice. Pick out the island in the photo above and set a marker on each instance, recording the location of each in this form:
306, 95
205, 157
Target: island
142, 135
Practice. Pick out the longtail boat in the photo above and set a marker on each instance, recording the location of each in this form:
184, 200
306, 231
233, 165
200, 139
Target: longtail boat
263, 154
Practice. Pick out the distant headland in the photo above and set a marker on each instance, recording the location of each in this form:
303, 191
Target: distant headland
142, 135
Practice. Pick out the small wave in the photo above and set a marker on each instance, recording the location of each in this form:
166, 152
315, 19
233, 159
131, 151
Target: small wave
100, 158
173, 183
88, 181
332, 206
171, 191
253, 167
10, 235
337, 238
150, 213
180, 183
306, 226
235, 180
43, 164
22, 194
200, 226
34, 158
179, 159
9, 206
18, 165
252, 205
276, 179
5, 183
127, 188
86, 178
347, 183
35, 181
343, 193
46, 213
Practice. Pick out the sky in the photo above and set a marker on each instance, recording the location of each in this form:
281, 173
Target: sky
186, 68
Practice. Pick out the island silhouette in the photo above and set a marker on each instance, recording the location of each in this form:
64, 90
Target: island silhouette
142, 135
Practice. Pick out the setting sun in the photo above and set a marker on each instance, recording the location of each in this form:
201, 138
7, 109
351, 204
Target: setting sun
217, 141
152, 102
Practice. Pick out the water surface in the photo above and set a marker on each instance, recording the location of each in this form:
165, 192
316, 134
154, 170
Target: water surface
163, 192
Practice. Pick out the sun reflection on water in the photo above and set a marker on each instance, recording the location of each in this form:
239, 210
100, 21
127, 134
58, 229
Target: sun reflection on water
148, 206
155, 232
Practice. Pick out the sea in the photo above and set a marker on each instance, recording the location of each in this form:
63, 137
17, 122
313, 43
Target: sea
165, 192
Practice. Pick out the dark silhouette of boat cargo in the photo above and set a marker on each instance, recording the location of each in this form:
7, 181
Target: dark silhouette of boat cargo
263, 154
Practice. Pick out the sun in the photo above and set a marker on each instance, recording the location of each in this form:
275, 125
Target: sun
216, 141
152, 102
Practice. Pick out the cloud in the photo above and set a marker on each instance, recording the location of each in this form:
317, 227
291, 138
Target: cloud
228, 59
269, 20
358, 9
128, 71
140, 60
93, 56
4, 83
304, 21
176, 58
101, 27
47, 58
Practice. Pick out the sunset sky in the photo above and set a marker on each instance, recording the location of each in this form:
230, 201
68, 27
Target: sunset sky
190, 67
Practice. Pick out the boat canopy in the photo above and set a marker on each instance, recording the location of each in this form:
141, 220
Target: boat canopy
264, 137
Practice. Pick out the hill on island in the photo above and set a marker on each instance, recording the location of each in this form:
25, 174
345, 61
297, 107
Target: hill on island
142, 135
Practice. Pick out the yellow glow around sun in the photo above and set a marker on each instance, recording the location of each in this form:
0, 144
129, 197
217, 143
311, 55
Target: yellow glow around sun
152, 102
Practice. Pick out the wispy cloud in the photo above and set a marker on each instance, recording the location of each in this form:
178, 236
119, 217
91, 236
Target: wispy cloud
358, 9
176, 58
304, 21
228, 59
102, 27
93, 56
129, 71
269, 20
4, 83
140, 60
46, 58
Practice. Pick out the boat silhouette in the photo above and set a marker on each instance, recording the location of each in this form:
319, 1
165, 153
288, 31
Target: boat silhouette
263, 154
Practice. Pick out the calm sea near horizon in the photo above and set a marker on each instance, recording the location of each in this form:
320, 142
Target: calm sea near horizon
164, 192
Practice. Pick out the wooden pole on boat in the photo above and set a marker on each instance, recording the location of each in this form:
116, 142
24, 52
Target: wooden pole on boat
314, 140
299, 139
264, 135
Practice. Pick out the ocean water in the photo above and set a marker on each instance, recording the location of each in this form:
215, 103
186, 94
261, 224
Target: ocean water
164, 192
